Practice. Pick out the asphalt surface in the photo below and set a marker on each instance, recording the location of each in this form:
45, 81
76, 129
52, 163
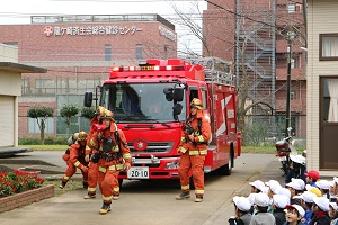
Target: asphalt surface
142, 202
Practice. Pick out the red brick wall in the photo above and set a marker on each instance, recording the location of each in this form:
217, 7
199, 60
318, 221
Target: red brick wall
219, 30
57, 51
34, 45
26, 198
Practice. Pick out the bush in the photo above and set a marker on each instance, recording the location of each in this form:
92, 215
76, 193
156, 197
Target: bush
68, 112
51, 140
29, 141
18, 181
255, 134
88, 113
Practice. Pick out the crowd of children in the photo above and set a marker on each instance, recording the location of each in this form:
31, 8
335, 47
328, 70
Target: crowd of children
299, 202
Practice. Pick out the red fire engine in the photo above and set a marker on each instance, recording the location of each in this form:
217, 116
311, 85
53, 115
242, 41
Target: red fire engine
150, 104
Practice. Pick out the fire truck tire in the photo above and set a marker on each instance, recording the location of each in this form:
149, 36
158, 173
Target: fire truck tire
120, 183
227, 168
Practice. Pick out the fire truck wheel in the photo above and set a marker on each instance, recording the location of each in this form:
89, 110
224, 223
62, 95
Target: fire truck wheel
120, 183
227, 168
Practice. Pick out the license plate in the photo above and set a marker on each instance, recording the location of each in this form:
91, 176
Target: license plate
282, 158
140, 172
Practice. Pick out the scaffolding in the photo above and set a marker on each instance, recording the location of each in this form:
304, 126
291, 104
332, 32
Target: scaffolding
255, 59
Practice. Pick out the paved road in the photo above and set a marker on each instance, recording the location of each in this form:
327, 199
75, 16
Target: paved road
150, 203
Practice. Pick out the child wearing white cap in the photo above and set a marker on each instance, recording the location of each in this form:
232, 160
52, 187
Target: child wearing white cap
333, 190
257, 186
279, 204
294, 214
296, 168
320, 210
242, 211
324, 187
296, 186
307, 203
262, 217
333, 213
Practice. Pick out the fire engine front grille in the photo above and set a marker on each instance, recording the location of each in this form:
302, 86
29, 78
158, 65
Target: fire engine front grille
153, 147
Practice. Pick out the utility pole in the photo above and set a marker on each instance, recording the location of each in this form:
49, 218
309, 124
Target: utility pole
290, 37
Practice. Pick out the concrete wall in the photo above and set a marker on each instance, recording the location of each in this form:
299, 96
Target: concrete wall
322, 18
10, 83
8, 53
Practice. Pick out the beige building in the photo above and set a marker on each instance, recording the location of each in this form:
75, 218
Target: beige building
322, 87
10, 90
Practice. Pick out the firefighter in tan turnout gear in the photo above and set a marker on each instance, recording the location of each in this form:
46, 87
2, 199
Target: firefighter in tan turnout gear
113, 156
76, 159
193, 149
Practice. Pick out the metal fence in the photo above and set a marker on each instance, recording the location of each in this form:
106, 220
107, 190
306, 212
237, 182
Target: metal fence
270, 128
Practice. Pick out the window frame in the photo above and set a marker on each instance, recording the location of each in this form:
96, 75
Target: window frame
326, 58
291, 7
108, 52
139, 55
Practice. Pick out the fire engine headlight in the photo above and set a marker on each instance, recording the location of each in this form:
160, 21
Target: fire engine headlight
172, 165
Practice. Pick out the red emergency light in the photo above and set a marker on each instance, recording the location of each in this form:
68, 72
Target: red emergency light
184, 68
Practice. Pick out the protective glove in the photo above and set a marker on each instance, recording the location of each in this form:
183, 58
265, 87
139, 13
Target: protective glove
87, 158
84, 169
127, 166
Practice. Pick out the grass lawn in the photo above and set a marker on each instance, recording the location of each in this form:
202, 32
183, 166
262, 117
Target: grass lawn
265, 149
46, 147
70, 186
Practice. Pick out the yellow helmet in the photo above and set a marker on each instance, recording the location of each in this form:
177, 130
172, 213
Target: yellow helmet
316, 191
82, 136
196, 103
105, 113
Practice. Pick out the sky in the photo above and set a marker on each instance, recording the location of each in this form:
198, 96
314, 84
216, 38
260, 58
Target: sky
19, 11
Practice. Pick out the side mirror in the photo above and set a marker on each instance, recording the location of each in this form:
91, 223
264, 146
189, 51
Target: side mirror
88, 99
177, 110
168, 93
179, 94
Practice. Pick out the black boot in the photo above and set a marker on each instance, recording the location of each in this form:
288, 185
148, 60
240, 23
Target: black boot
105, 208
63, 183
183, 195
85, 184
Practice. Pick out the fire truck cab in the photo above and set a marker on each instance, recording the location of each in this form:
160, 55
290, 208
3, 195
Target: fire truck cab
151, 103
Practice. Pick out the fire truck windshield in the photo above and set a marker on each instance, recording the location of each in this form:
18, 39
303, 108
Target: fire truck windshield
140, 102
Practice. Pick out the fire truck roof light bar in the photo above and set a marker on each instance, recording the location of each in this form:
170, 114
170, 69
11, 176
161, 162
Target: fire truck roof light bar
148, 68
159, 69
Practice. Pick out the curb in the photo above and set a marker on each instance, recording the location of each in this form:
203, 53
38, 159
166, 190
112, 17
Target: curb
26, 198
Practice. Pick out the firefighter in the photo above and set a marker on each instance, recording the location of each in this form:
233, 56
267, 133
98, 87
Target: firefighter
77, 161
71, 140
91, 150
113, 154
92, 158
192, 149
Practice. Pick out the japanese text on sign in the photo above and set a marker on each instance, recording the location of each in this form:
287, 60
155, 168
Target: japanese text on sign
89, 30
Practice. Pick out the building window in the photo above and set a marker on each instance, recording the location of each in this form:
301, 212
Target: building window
45, 86
33, 127
293, 96
330, 100
139, 52
24, 86
165, 52
328, 47
296, 62
108, 53
291, 7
